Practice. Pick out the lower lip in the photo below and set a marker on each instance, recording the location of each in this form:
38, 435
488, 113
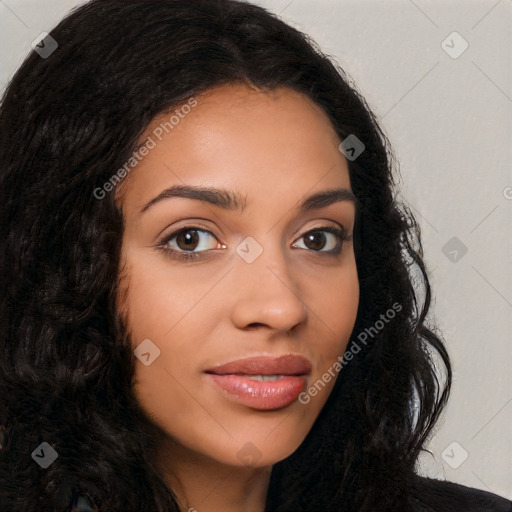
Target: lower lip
261, 395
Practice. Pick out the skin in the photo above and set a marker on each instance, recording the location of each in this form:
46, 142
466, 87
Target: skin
276, 149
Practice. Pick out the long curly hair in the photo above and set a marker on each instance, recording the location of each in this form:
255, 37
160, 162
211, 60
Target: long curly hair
67, 123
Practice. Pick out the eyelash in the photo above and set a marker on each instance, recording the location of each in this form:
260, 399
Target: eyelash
188, 256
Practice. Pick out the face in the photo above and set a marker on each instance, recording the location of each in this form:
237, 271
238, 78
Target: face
239, 288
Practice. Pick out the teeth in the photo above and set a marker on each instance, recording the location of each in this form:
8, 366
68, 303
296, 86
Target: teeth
263, 378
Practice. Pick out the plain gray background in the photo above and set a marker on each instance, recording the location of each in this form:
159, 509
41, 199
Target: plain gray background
449, 120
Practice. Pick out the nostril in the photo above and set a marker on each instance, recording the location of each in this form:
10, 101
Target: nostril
255, 324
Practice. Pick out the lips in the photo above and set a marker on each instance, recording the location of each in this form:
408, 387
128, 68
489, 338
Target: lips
265, 365
264, 382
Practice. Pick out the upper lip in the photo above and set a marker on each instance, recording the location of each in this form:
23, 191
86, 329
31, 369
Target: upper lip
265, 365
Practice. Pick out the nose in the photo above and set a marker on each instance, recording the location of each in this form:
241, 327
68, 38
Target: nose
267, 293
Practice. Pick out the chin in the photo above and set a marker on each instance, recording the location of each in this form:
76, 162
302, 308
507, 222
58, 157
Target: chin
251, 455
264, 447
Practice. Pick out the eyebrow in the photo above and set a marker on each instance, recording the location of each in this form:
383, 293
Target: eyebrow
233, 201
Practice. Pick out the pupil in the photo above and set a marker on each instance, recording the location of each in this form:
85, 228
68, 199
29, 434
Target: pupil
188, 237
317, 237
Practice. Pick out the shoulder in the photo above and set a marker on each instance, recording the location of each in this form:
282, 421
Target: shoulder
430, 495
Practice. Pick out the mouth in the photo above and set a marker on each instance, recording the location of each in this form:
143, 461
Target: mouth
264, 382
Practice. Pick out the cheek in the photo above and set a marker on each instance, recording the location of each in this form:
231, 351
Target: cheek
162, 305
337, 302
159, 298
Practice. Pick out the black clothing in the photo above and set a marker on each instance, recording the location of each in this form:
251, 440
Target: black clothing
430, 495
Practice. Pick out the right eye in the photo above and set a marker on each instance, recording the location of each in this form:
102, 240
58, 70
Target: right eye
181, 244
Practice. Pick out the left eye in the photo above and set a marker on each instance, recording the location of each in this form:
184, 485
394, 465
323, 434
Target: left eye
318, 238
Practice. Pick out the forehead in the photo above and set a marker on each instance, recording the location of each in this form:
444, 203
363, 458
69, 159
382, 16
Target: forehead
255, 141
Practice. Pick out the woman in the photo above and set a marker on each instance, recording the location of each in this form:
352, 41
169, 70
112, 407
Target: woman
208, 300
